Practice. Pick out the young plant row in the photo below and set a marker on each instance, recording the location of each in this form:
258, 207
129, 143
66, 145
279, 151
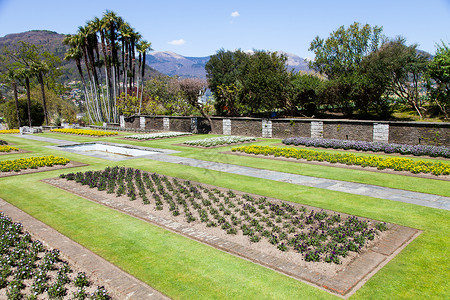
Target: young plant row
317, 235
217, 141
4, 148
157, 135
29, 270
418, 150
9, 131
32, 163
87, 132
393, 163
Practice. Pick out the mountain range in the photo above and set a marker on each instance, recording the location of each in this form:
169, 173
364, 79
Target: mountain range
164, 62
52, 42
171, 64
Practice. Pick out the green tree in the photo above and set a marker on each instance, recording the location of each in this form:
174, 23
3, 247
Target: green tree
30, 62
224, 69
401, 68
306, 93
258, 81
339, 58
264, 82
37, 113
438, 78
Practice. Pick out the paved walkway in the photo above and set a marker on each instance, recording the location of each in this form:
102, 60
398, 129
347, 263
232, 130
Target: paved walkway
423, 199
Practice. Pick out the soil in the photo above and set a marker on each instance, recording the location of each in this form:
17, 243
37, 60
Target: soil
148, 140
344, 166
218, 146
342, 279
15, 152
71, 164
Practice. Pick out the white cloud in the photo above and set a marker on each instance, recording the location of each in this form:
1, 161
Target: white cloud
235, 14
177, 42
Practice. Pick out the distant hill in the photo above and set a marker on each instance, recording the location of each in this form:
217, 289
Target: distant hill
171, 64
52, 42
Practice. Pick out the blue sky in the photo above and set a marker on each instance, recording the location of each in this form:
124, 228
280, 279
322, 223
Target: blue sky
200, 28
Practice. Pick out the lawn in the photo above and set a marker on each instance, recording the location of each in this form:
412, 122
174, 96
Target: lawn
183, 269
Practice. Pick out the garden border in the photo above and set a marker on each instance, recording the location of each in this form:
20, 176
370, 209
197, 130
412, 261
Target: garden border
71, 164
342, 166
15, 152
344, 284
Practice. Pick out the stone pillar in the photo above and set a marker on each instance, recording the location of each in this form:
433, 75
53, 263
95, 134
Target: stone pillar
226, 126
142, 122
122, 121
266, 128
194, 125
317, 129
380, 132
166, 124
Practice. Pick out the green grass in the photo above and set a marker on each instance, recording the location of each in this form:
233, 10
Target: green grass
182, 268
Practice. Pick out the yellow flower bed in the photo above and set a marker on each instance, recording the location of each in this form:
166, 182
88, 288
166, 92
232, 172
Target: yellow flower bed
32, 163
85, 132
394, 163
8, 149
9, 131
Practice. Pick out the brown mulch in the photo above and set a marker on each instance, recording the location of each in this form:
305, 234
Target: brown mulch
72, 164
218, 146
343, 166
15, 152
343, 279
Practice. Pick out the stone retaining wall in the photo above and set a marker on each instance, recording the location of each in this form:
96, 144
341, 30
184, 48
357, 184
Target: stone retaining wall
384, 131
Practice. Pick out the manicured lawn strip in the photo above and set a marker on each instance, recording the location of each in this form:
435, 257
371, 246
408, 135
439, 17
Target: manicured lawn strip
424, 185
172, 264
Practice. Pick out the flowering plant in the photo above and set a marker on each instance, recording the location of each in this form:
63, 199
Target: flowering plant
158, 135
418, 150
394, 163
217, 141
96, 133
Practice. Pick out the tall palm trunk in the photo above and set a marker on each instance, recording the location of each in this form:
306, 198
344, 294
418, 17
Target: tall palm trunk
16, 100
44, 102
27, 87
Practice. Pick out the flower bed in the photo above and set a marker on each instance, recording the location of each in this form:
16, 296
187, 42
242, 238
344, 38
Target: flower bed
6, 131
28, 269
87, 132
217, 141
316, 235
418, 150
31, 163
397, 164
158, 135
8, 148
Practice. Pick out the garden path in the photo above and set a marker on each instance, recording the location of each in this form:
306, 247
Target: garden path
423, 199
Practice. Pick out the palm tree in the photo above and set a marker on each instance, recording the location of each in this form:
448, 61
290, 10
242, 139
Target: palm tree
25, 74
12, 78
39, 69
142, 47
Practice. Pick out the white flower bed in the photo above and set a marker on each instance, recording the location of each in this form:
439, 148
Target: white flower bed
158, 135
217, 141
